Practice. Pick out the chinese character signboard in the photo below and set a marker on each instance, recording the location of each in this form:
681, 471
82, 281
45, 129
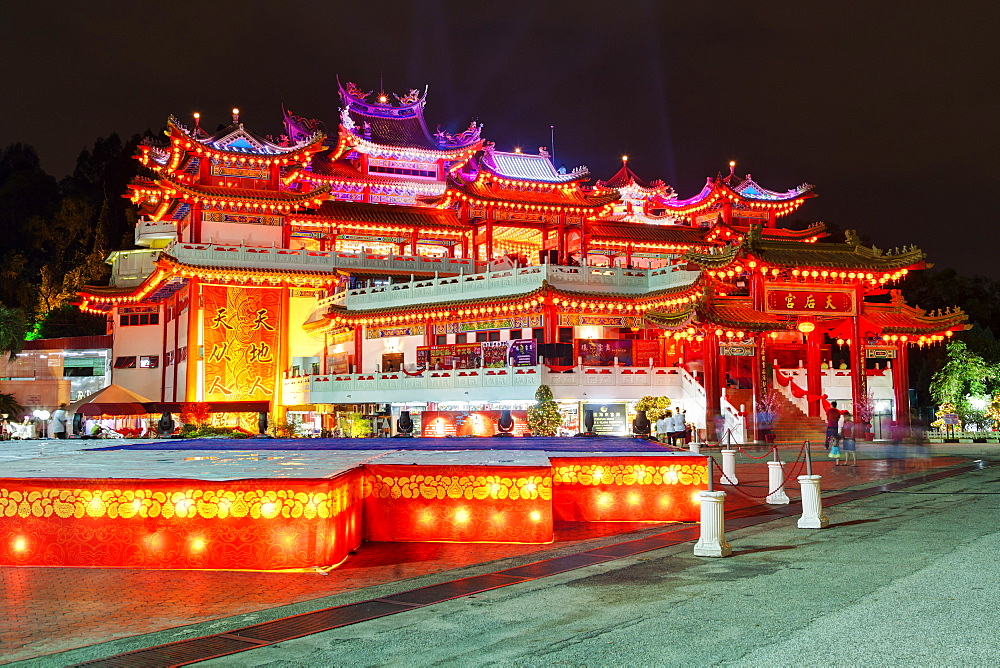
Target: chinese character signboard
602, 352
802, 300
736, 349
495, 354
241, 343
609, 419
523, 352
645, 353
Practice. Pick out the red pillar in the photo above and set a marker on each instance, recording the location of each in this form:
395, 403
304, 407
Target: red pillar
358, 346
859, 382
562, 252
713, 390
550, 321
489, 239
814, 380
901, 382
194, 314
413, 242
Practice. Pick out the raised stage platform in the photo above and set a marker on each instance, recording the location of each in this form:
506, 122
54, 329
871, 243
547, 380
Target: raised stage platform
278, 504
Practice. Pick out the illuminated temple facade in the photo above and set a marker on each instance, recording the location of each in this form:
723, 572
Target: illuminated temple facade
374, 266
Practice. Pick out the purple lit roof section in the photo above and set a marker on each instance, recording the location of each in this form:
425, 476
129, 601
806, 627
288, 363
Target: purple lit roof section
526, 167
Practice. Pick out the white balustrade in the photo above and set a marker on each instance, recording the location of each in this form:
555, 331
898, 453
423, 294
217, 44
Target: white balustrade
622, 383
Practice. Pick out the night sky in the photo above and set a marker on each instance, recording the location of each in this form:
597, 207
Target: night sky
889, 108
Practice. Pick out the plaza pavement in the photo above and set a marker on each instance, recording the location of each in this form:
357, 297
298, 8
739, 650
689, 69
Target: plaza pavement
902, 576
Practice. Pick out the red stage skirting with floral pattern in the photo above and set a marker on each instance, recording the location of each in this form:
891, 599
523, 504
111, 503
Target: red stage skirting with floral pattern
303, 523
628, 489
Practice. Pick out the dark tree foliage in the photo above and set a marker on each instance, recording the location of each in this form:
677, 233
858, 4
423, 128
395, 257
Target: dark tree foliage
54, 237
68, 320
978, 296
26, 192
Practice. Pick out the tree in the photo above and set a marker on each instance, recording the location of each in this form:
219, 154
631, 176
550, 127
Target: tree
655, 407
10, 406
544, 418
964, 376
13, 326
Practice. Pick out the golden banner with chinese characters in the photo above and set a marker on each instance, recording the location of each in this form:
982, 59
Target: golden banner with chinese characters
815, 301
241, 342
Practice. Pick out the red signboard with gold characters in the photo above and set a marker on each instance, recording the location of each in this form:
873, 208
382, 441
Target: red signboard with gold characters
815, 301
241, 343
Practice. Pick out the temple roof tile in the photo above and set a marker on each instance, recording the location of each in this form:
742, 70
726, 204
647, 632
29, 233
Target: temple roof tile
224, 193
526, 167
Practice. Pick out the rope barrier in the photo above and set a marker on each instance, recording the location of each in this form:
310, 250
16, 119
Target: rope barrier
786, 475
766, 454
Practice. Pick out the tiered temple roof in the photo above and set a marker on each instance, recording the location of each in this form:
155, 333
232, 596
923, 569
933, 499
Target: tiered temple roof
734, 190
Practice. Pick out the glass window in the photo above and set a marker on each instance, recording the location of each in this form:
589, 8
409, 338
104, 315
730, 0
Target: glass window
441, 339
494, 335
481, 336
125, 362
149, 361
461, 338
135, 319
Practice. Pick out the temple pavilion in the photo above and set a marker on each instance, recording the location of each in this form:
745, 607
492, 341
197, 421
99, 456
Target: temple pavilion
375, 266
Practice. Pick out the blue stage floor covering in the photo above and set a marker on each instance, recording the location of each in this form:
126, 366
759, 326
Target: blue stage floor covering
555, 444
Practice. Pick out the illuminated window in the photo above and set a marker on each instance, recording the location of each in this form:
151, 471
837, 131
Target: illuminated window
149, 361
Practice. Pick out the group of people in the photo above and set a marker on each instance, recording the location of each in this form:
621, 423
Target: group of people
840, 431
672, 428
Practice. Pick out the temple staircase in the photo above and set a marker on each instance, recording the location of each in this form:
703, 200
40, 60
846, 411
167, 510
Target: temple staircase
793, 426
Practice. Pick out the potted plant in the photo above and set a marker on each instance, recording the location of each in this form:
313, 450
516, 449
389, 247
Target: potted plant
544, 417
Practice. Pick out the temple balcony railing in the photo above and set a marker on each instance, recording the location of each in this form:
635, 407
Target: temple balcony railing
512, 281
590, 384
129, 268
237, 255
152, 233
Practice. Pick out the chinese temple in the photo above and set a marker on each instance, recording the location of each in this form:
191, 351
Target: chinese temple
378, 266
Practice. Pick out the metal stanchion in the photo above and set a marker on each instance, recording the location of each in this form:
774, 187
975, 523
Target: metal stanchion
712, 541
776, 482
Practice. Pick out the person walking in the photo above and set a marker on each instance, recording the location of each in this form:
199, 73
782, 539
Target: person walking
832, 425
765, 426
59, 420
676, 428
848, 443
663, 427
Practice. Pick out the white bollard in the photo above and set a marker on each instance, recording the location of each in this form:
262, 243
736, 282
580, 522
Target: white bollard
729, 468
695, 447
812, 503
776, 482
712, 541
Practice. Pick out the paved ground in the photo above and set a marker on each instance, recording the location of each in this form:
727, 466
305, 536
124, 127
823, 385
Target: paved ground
783, 584
899, 579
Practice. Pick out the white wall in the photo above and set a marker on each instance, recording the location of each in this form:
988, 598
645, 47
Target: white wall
139, 341
237, 233
372, 350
